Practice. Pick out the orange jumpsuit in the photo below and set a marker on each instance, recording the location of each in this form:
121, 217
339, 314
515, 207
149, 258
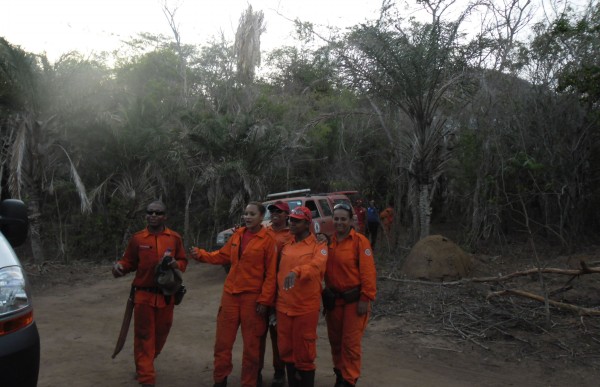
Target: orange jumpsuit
153, 317
281, 237
250, 281
361, 217
387, 218
350, 265
298, 307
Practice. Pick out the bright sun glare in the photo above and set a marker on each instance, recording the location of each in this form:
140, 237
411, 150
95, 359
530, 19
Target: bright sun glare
60, 26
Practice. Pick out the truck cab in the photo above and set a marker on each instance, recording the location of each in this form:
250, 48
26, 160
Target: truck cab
320, 204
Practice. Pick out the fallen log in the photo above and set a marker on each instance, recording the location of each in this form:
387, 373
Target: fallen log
548, 270
561, 305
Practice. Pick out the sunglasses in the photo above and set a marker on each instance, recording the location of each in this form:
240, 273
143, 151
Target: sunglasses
157, 213
343, 206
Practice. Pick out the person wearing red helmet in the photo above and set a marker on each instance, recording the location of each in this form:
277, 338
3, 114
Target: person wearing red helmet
279, 211
301, 272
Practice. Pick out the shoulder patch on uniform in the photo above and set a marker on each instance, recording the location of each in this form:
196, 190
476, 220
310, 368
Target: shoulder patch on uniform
368, 252
324, 251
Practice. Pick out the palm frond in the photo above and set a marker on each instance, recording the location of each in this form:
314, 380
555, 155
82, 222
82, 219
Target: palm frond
86, 205
18, 151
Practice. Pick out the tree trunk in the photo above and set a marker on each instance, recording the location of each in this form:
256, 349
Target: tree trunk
34, 230
186, 215
424, 212
188, 201
413, 204
476, 218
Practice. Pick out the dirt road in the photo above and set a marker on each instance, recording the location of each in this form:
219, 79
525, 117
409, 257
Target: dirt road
79, 323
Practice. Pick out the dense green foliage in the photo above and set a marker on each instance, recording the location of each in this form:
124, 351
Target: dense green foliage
495, 135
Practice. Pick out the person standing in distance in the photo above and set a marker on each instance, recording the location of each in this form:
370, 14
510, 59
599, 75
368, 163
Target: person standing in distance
361, 216
153, 312
279, 211
351, 277
301, 272
387, 219
372, 222
248, 292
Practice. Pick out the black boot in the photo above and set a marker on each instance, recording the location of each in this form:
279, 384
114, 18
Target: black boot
278, 378
221, 384
307, 378
338, 378
293, 380
346, 383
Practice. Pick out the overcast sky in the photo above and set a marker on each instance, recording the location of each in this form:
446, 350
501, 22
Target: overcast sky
59, 26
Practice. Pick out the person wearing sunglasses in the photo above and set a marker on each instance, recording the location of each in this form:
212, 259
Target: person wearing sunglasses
301, 270
350, 281
153, 311
280, 211
248, 292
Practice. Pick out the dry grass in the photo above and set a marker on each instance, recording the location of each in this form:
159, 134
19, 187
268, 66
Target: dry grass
461, 314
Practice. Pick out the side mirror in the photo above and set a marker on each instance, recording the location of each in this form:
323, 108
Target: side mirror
13, 221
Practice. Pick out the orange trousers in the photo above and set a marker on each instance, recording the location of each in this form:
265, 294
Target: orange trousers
151, 328
345, 329
297, 339
236, 310
278, 364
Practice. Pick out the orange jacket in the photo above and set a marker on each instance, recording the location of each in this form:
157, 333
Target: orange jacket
351, 264
308, 259
282, 236
361, 215
144, 251
252, 270
387, 216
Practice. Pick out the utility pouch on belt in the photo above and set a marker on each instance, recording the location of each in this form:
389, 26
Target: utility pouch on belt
352, 295
179, 294
328, 296
169, 281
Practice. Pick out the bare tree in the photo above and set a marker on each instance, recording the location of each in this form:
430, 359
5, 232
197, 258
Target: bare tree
247, 43
170, 16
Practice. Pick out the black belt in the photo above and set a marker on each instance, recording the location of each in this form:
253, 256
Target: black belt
349, 296
148, 289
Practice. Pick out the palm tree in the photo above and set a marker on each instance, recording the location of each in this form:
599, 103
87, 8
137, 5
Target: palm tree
415, 70
37, 156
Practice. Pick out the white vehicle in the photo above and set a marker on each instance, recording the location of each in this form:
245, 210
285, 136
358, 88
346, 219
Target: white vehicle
320, 204
19, 338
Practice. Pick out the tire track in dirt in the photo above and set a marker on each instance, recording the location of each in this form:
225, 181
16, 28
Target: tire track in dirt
79, 324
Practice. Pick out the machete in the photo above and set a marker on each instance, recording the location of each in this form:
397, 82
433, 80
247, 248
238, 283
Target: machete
125, 324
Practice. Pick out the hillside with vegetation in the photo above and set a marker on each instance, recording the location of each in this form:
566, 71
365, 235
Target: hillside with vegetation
495, 132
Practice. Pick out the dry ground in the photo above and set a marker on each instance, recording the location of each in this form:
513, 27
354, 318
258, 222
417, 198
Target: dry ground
420, 334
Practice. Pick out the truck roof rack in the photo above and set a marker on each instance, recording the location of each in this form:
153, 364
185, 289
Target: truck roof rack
342, 193
297, 192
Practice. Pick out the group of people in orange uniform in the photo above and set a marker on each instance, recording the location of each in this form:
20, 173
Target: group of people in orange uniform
274, 288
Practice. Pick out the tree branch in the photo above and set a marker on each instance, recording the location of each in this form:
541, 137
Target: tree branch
561, 305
